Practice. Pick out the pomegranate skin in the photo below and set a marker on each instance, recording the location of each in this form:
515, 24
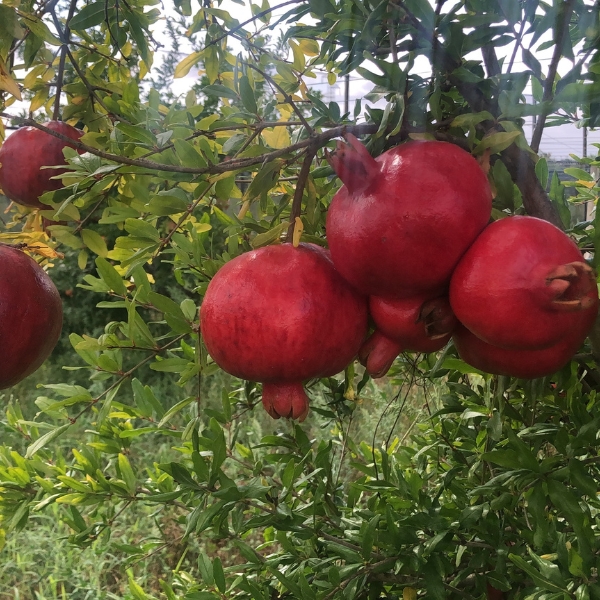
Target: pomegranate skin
417, 324
524, 285
24, 153
402, 221
524, 364
280, 315
30, 316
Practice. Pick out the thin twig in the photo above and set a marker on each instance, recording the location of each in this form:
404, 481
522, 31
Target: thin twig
299, 191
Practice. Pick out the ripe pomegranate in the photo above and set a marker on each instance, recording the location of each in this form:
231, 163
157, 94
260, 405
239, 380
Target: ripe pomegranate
417, 324
24, 153
30, 315
525, 364
524, 284
401, 221
280, 315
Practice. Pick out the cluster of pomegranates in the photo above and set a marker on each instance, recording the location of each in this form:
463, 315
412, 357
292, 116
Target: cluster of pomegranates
410, 244
30, 305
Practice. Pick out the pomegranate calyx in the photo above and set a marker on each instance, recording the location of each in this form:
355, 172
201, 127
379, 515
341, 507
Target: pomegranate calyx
378, 353
571, 285
353, 164
437, 318
285, 399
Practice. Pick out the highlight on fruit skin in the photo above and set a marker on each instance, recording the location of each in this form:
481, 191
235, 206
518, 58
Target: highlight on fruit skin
524, 285
417, 324
401, 221
30, 316
281, 315
22, 156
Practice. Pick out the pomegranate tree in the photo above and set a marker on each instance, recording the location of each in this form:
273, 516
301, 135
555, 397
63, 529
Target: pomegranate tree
22, 156
524, 285
401, 221
30, 316
280, 315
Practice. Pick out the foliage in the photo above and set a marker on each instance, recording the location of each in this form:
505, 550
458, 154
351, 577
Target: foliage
487, 481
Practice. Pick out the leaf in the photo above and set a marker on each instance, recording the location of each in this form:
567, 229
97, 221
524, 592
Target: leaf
7, 83
537, 577
45, 439
89, 16
184, 66
127, 473
94, 242
247, 95
276, 137
174, 410
40, 29
497, 141
110, 276
220, 91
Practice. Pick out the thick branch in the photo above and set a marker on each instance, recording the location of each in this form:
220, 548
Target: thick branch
561, 31
535, 199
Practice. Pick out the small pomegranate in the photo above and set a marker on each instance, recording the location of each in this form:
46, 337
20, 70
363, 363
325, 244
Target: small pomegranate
525, 364
401, 221
30, 316
280, 315
524, 284
415, 324
22, 156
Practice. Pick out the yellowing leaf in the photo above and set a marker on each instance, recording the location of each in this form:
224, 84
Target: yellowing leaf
309, 47
299, 61
276, 137
183, 68
331, 78
7, 83
409, 593
45, 251
298, 229
211, 64
38, 100
94, 242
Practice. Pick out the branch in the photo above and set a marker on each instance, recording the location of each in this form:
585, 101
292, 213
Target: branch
299, 191
319, 140
561, 31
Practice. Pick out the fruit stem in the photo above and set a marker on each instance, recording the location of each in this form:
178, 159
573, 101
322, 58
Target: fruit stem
299, 191
353, 164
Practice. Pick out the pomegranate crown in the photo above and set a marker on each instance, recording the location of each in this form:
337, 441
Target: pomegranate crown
353, 164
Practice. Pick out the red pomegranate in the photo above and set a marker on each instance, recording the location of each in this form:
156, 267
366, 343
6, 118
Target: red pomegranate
22, 156
401, 221
280, 315
524, 284
525, 364
30, 316
415, 324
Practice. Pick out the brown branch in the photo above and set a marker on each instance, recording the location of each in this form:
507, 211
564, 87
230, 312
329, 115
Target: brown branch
518, 44
535, 199
285, 95
59, 82
92, 90
319, 140
562, 30
299, 191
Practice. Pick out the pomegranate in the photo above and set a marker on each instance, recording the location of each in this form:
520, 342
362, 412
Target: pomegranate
415, 324
30, 315
401, 221
22, 156
524, 284
525, 364
280, 315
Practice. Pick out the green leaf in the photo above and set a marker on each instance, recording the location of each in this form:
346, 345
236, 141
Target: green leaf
497, 141
174, 410
220, 91
219, 575
247, 95
537, 577
127, 473
89, 16
110, 276
94, 242
45, 439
